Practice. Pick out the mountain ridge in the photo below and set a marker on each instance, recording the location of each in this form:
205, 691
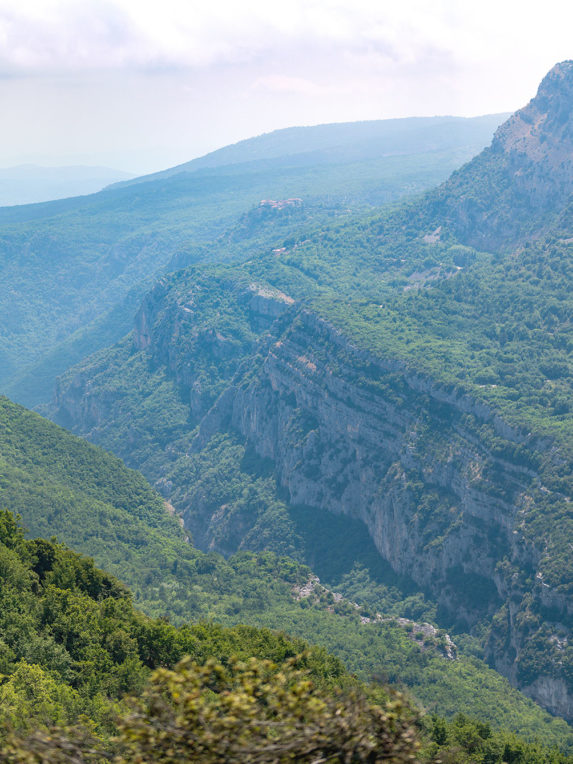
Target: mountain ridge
324, 141
387, 392
89, 253
516, 188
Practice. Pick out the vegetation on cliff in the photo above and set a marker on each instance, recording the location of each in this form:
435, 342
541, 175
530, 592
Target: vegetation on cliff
404, 304
54, 480
70, 268
74, 648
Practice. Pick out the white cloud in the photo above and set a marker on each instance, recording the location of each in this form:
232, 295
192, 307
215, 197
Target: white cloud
63, 34
190, 75
280, 83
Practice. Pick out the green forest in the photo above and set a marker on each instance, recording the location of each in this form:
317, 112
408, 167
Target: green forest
298, 484
61, 485
75, 655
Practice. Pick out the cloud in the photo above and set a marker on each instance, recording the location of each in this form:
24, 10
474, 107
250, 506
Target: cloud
42, 35
121, 76
280, 83
58, 35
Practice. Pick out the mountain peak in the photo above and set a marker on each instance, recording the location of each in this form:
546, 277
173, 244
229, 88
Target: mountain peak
518, 186
543, 130
560, 78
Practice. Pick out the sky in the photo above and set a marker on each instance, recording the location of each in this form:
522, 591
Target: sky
141, 85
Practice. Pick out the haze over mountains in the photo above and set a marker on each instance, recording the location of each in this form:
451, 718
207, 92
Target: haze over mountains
346, 143
66, 265
356, 400
30, 183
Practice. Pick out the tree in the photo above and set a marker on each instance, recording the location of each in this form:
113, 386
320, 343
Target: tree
252, 712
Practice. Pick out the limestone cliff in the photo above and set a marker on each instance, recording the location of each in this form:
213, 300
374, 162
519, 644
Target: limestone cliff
518, 185
373, 439
455, 497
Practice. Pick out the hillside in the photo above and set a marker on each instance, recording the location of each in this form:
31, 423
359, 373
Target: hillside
345, 143
62, 485
384, 369
70, 269
77, 661
73, 643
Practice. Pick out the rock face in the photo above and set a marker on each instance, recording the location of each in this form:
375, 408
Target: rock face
553, 694
524, 178
373, 440
177, 337
542, 131
446, 488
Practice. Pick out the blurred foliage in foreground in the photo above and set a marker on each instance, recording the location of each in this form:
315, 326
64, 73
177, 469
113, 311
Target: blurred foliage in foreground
258, 712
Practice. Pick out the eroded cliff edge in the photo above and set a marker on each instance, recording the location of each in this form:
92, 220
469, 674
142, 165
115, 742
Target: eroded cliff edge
372, 439
445, 487
471, 508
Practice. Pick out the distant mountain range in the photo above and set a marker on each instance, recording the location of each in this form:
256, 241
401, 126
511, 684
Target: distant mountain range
71, 271
342, 143
31, 183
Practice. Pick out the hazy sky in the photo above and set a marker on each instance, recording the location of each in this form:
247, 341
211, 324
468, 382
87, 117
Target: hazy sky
144, 84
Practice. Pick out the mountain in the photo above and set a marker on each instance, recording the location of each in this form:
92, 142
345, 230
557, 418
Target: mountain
29, 183
72, 270
385, 369
517, 189
72, 631
77, 659
344, 143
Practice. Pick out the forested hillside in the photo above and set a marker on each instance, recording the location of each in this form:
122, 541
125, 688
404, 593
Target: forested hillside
74, 649
72, 270
61, 485
384, 369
